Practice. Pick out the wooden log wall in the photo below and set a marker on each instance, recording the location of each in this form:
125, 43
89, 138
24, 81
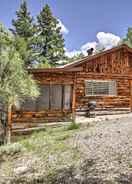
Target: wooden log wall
115, 65
42, 117
121, 100
130, 62
55, 78
47, 115
115, 62
112, 66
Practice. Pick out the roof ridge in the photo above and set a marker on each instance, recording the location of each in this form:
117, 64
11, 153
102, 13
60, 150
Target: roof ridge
97, 55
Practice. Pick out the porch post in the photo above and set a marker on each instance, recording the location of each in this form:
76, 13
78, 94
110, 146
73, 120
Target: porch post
74, 101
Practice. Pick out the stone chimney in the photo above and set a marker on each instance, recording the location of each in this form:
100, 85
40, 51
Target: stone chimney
90, 51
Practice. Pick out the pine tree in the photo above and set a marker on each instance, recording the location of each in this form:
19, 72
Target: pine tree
24, 22
15, 81
128, 39
50, 42
24, 31
75, 58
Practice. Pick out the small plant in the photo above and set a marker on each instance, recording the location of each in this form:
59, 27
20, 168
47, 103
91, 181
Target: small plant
11, 149
62, 137
73, 126
130, 165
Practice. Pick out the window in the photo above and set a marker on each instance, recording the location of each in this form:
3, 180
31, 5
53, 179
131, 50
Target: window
52, 97
100, 88
56, 96
43, 100
67, 97
29, 104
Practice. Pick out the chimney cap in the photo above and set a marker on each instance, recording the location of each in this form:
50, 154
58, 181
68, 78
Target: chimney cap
90, 51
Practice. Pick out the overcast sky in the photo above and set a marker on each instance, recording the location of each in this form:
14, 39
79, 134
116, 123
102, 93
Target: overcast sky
84, 22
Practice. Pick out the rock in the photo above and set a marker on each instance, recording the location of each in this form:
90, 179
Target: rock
21, 170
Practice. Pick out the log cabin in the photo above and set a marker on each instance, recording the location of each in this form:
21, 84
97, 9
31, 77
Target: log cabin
105, 77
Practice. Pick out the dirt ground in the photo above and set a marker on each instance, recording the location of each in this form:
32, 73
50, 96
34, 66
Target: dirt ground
108, 142
100, 151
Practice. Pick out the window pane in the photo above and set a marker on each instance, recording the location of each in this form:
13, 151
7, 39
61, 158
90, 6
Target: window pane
112, 88
100, 88
93, 87
28, 105
56, 97
43, 99
67, 97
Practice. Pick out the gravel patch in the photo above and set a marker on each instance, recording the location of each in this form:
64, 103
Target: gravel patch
109, 144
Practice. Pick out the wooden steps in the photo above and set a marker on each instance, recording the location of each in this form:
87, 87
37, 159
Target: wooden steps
28, 128
105, 111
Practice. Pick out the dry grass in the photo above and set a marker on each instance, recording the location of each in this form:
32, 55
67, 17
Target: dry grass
95, 153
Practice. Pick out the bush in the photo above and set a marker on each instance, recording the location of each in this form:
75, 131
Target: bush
73, 126
11, 149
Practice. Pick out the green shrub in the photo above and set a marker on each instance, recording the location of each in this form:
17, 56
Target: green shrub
11, 149
73, 126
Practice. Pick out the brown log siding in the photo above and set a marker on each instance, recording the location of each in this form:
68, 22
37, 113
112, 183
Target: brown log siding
114, 65
47, 115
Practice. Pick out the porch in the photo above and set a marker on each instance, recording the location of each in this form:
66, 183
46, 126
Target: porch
56, 102
29, 127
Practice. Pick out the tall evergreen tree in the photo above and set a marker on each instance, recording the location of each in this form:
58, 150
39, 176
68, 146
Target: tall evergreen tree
74, 58
24, 30
128, 39
50, 42
15, 81
24, 22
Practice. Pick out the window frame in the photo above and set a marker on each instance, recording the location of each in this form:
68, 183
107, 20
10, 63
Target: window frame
107, 81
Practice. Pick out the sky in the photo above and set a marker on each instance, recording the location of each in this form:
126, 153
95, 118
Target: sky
84, 23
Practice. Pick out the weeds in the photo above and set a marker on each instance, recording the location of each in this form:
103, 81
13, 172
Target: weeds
11, 149
73, 126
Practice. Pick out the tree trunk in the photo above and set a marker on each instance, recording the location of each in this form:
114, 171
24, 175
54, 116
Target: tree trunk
9, 125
